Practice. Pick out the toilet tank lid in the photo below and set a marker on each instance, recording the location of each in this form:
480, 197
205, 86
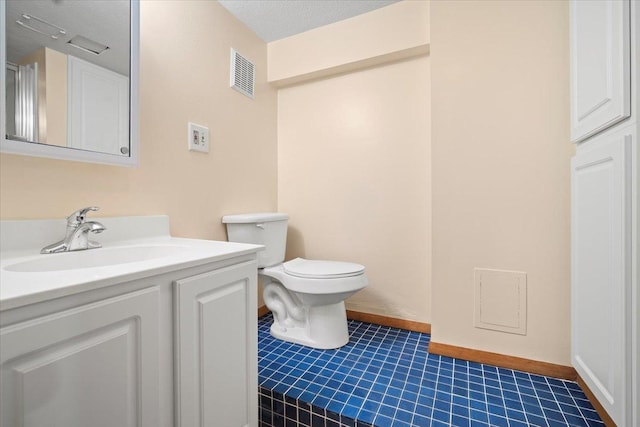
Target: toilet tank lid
250, 218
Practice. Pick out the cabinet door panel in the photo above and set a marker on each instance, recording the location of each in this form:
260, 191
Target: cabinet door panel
601, 288
600, 65
98, 108
222, 315
216, 348
95, 365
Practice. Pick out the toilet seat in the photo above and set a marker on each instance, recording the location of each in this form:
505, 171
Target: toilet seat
317, 269
317, 286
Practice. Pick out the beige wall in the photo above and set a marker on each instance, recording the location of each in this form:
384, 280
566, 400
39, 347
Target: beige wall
363, 163
354, 158
354, 176
400, 27
501, 150
56, 97
184, 77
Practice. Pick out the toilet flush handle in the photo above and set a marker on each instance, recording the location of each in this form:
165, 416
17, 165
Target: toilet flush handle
260, 226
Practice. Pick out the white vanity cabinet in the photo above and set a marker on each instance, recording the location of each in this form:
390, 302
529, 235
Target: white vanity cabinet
92, 365
600, 65
605, 185
171, 346
216, 348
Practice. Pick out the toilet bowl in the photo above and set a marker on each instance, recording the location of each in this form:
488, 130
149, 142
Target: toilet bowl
308, 308
306, 297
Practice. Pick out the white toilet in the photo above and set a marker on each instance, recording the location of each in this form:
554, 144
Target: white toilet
306, 297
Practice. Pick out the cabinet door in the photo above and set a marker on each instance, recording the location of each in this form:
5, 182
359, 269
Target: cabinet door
600, 276
98, 112
216, 348
600, 65
95, 365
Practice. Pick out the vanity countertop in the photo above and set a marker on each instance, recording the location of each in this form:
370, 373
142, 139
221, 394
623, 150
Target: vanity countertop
28, 277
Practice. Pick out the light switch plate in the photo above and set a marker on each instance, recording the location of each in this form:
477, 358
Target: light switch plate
198, 138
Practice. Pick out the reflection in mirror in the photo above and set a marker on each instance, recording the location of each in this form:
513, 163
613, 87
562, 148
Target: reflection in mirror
67, 74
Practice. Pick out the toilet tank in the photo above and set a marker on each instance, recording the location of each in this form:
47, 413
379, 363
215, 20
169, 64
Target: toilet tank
268, 229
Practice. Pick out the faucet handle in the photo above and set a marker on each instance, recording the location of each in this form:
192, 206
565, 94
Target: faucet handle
79, 216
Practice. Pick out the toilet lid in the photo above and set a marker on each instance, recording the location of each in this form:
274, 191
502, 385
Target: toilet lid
315, 269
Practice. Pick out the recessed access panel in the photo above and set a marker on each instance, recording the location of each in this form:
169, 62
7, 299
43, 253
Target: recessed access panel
501, 300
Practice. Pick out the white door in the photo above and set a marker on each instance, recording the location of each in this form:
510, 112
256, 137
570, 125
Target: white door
216, 348
98, 110
95, 365
600, 276
600, 65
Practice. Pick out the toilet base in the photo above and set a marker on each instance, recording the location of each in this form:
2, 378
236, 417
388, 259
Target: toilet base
325, 328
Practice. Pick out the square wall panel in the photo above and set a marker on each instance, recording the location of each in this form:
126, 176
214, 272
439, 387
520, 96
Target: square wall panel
500, 300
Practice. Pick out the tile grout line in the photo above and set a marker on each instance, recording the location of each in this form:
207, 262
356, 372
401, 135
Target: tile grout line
347, 374
421, 380
389, 385
390, 361
386, 333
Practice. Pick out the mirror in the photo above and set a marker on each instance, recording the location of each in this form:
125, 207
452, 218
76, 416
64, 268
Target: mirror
69, 73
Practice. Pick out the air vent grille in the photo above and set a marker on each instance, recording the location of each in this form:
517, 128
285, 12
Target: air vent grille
242, 74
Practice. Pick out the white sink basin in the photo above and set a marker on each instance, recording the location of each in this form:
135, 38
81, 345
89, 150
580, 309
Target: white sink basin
92, 258
134, 248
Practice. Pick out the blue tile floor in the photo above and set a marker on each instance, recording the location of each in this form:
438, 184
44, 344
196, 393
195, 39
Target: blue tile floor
385, 377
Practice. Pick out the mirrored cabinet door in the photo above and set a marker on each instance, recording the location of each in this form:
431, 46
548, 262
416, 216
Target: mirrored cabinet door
70, 79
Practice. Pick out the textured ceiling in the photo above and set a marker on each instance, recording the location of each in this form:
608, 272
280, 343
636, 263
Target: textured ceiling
106, 22
276, 19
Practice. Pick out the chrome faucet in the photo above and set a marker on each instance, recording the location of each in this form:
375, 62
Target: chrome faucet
77, 235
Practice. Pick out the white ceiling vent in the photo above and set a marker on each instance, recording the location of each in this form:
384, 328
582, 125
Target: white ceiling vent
242, 74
